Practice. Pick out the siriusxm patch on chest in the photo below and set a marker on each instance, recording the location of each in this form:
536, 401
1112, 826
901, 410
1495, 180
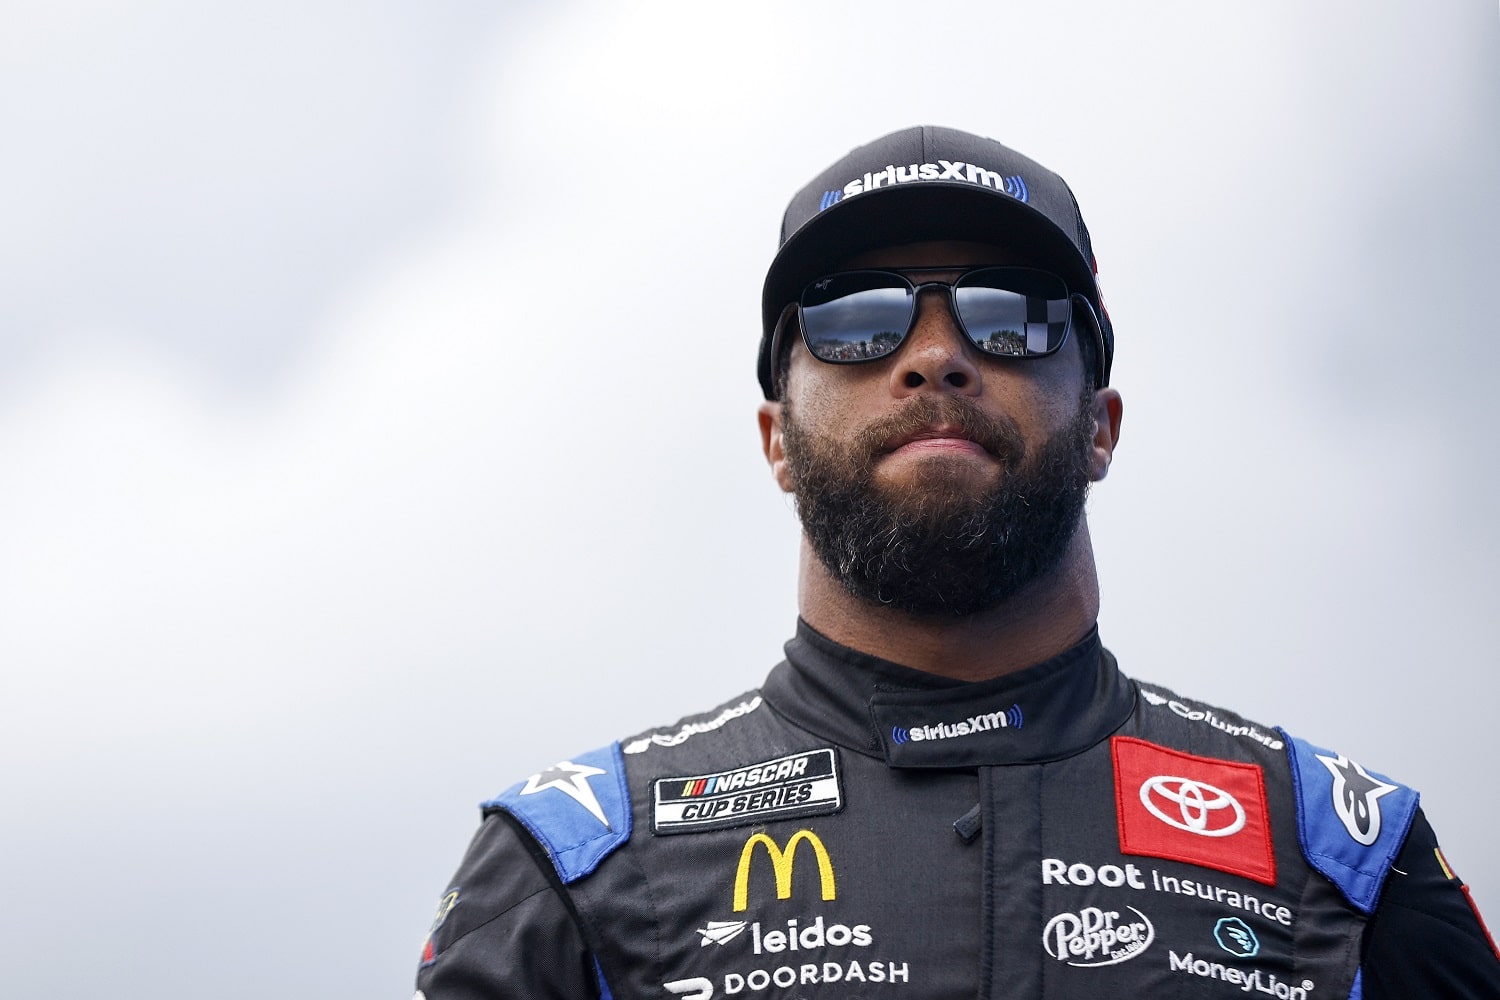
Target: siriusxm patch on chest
799, 784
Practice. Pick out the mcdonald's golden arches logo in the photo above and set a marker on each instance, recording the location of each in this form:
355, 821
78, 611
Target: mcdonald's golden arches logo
782, 863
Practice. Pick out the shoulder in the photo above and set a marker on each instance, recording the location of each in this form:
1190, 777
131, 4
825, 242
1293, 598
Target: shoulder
715, 721
1363, 831
578, 810
1351, 821
502, 923
1202, 724
1426, 937
582, 809
512, 893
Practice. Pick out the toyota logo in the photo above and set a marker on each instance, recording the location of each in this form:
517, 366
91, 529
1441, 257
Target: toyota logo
1194, 806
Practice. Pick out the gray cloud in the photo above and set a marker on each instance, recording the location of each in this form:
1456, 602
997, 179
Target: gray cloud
195, 181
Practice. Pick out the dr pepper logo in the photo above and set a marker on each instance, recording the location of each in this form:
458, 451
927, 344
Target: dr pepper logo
1197, 810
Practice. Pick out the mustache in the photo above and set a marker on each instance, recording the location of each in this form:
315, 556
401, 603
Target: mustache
996, 434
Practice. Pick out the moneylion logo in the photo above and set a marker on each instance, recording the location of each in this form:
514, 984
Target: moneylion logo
1011, 718
1248, 980
1236, 937
782, 863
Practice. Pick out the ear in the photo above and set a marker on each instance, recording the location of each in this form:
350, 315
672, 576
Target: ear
1108, 409
771, 444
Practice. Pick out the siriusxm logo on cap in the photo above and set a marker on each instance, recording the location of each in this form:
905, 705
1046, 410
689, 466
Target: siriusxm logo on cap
1011, 718
942, 170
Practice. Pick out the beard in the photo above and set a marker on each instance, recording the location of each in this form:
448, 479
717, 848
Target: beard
940, 547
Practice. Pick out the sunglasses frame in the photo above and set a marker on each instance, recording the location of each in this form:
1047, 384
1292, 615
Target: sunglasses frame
794, 309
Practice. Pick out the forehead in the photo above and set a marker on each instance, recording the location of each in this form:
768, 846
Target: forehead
937, 253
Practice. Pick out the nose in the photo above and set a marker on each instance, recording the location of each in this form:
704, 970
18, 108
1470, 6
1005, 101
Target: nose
936, 355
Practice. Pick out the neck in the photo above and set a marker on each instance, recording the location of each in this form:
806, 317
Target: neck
1048, 616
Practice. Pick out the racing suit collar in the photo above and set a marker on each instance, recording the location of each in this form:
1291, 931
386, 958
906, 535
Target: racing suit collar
909, 718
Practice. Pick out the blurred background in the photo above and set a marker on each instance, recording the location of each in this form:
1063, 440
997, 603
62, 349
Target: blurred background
377, 393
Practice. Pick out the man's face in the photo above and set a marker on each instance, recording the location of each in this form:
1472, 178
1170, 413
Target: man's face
939, 480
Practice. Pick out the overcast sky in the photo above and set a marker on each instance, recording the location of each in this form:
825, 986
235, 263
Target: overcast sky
377, 414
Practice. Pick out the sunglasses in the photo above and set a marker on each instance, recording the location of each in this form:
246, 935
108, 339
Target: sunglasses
1005, 312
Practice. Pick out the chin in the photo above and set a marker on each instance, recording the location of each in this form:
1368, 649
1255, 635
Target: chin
947, 474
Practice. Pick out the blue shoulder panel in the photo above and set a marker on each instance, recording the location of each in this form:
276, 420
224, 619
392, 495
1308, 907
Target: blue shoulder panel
578, 810
1352, 822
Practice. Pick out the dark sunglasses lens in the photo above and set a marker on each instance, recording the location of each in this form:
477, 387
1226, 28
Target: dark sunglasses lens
1014, 312
855, 316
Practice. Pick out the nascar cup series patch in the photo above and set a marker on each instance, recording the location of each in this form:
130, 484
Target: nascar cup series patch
799, 784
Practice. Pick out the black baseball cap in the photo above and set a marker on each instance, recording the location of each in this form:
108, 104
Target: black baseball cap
929, 183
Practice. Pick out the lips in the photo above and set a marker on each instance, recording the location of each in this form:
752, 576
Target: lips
939, 437
940, 425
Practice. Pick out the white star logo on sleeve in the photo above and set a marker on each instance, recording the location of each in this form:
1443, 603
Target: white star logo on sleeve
573, 781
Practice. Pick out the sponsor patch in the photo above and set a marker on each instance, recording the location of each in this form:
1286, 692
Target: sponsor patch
1093, 937
1236, 937
811, 974
691, 729
573, 781
1253, 981
578, 810
799, 784
1197, 810
783, 863
817, 950
720, 931
445, 907
1352, 822
1010, 718
1207, 716
1056, 871
1452, 876
805, 935
943, 170
1356, 797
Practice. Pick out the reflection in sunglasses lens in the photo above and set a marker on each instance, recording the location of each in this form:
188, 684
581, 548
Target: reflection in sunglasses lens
1013, 312
1006, 311
856, 317
996, 319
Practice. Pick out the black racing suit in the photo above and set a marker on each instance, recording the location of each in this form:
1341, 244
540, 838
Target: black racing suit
856, 829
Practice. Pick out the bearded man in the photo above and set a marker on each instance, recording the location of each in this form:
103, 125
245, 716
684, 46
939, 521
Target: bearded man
948, 789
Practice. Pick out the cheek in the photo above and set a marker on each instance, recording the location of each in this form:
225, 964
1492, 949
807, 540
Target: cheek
817, 403
1055, 386
1057, 412
829, 397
